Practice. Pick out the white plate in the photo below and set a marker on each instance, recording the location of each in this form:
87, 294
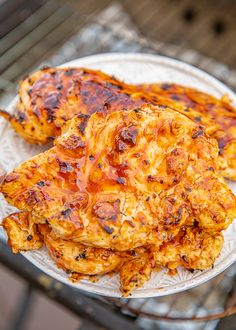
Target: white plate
132, 68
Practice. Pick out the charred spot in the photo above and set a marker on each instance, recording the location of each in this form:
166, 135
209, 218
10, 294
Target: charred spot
133, 253
21, 117
108, 229
211, 169
41, 183
52, 101
107, 105
82, 255
129, 135
191, 270
146, 162
188, 189
148, 199
175, 97
137, 110
44, 67
184, 258
91, 157
165, 87
84, 93
198, 119
114, 98
130, 222
68, 72
59, 87
50, 115
83, 123
198, 133
121, 180
29, 237
64, 166
51, 138
66, 213
30, 91
112, 86
151, 178
154, 195
168, 222
180, 213
74, 142
121, 146
172, 200
195, 223
221, 144
137, 155
162, 106
99, 165
161, 181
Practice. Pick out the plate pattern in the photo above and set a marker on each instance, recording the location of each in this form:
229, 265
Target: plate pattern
132, 68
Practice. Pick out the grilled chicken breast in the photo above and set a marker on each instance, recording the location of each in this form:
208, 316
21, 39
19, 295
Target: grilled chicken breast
50, 97
192, 248
80, 261
220, 110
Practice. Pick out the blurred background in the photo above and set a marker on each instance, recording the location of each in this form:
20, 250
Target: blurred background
38, 32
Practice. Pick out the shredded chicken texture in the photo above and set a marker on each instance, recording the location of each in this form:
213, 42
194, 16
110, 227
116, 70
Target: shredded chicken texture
50, 97
126, 191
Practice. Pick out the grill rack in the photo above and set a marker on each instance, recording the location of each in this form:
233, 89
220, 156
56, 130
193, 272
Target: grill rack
119, 38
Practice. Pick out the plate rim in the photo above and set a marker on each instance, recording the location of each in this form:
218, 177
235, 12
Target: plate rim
176, 64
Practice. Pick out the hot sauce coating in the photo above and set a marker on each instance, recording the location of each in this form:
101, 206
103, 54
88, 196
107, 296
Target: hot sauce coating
127, 181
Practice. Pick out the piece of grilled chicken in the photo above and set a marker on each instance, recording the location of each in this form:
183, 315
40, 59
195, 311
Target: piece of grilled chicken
78, 260
192, 248
50, 97
223, 113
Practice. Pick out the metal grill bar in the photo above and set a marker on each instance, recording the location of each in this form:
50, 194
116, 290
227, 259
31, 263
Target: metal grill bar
26, 10
25, 44
25, 27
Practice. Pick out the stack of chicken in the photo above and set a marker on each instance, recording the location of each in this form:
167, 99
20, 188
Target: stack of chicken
134, 181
